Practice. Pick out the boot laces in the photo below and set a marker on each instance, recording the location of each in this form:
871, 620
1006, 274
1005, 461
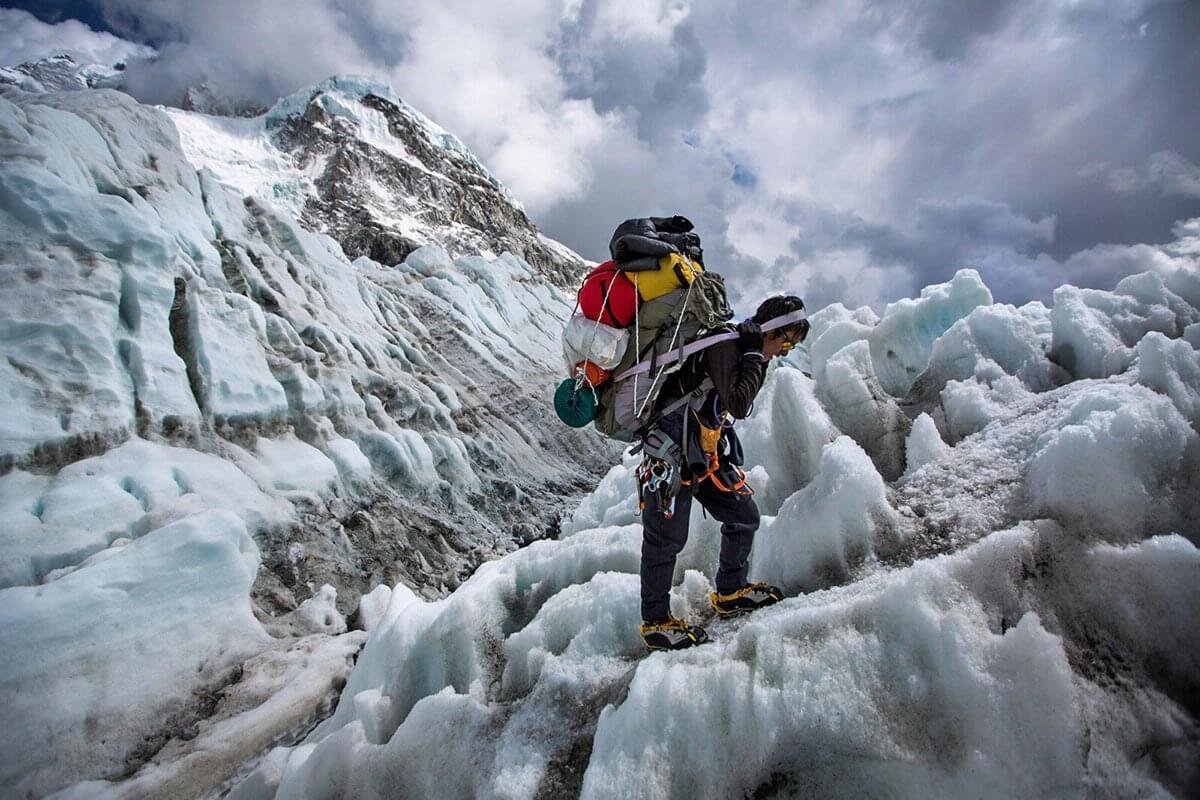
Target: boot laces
671, 623
745, 590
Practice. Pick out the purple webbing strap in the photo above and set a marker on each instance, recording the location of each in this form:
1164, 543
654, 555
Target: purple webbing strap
692, 348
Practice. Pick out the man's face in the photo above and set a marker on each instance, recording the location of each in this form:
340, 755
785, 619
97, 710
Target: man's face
780, 343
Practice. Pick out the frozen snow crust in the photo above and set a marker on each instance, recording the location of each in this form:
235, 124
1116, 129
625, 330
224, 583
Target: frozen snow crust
1011, 613
209, 408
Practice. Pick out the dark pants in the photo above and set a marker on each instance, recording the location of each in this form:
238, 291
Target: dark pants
663, 538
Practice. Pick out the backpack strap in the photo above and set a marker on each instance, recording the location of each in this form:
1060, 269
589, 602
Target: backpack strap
680, 353
670, 408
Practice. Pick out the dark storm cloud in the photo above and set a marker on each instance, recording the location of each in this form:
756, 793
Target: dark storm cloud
1024, 130
854, 146
1036, 92
658, 82
947, 28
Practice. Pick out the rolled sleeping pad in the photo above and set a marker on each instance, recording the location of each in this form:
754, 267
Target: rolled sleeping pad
575, 407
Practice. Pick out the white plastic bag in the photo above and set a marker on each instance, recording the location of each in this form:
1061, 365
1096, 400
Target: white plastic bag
588, 340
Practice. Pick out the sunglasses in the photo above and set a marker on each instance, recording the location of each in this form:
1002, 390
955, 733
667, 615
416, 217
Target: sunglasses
791, 341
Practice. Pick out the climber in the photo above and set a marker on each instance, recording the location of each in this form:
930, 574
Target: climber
709, 470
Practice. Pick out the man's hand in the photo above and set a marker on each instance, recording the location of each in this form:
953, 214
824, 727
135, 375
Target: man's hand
750, 335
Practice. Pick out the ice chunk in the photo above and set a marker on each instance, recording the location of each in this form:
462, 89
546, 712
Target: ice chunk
317, 614
785, 436
1171, 367
1191, 335
924, 444
373, 605
836, 335
1109, 463
829, 526
58, 522
969, 406
237, 382
990, 335
900, 342
427, 260
599, 618
862, 409
296, 465
93, 662
1153, 292
351, 463
903, 340
1094, 331
612, 502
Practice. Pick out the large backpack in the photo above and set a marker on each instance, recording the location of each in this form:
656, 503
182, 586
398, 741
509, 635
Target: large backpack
653, 297
626, 406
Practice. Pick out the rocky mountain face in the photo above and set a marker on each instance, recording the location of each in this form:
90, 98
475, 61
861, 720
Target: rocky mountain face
383, 203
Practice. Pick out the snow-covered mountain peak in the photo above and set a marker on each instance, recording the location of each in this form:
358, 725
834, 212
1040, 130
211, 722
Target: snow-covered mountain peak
355, 98
351, 159
61, 73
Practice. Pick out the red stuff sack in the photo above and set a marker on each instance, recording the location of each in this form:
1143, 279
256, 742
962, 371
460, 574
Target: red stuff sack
608, 296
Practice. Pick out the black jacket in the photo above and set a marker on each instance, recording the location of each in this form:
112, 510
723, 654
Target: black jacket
650, 236
737, 375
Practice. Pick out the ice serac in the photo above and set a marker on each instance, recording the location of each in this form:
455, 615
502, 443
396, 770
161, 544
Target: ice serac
1010, 614
123, 646
179, 358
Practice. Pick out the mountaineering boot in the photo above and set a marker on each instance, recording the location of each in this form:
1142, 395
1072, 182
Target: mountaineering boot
745, 599
672, 634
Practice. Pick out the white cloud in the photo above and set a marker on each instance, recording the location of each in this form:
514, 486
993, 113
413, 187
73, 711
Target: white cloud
1164, 173
23, 37
878, 147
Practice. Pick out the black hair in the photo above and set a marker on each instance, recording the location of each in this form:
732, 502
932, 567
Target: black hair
779, 305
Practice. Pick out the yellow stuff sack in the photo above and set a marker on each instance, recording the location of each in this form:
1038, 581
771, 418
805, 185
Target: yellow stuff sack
674, 271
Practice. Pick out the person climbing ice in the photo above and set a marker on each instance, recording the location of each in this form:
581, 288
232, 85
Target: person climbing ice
719, 384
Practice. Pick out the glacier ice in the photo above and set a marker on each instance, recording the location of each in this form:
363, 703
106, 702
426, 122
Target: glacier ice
953, 631
1112, 461
124, 643
1012, 615
174, 347
860, 407
1171, 367
827, 528
924, 444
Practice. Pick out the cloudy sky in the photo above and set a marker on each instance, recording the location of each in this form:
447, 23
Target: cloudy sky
845, 150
